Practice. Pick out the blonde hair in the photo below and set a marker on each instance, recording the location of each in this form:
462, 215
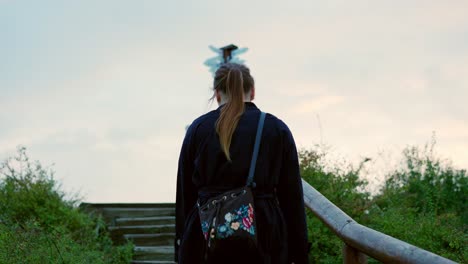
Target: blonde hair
234, 80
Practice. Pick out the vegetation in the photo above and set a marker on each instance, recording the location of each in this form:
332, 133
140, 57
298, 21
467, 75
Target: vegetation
424, 202
39, 224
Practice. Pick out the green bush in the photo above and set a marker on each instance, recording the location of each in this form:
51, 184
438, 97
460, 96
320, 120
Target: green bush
427, 185
39, 224
441, 234
342, 187
423, 202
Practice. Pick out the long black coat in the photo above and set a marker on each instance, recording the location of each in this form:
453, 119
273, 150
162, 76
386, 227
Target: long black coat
281, 224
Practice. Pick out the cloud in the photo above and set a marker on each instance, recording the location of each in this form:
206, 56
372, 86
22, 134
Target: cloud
447, 129
107, 98
317, 104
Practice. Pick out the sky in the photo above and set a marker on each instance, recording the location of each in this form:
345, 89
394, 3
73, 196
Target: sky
103, 90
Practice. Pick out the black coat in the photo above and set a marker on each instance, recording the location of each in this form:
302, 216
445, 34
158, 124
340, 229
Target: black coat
281, 224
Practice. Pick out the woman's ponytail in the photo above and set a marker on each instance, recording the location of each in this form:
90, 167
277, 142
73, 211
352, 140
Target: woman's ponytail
234, 84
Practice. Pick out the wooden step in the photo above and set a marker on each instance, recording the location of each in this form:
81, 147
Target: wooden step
152, 262
126, 205
117, 232
151, 220
165, 253
162, 239
151, 228
143, 229
112, 213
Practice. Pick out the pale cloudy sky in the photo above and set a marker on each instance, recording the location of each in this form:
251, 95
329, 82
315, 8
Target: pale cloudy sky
104, 89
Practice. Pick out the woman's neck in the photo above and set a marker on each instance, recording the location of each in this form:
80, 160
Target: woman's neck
224, 100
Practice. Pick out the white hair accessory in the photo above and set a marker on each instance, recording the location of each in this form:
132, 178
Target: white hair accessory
215, 62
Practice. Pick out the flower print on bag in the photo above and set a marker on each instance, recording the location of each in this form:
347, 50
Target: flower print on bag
235, 225
250, 212
247, 223
228, 217
240, 219
222, 229
205, 228
212, 233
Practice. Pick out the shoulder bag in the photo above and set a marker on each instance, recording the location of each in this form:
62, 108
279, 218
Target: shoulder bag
230, 216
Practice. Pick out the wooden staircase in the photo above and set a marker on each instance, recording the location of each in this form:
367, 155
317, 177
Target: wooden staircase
151, 228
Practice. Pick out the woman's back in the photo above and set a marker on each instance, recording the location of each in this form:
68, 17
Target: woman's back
215, 171
205, 171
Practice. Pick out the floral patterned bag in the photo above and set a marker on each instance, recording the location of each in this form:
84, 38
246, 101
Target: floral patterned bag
229, 218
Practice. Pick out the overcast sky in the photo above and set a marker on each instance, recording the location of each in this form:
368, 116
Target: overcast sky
105, 89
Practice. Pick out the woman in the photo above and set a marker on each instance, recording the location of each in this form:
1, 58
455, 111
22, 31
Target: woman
215, 157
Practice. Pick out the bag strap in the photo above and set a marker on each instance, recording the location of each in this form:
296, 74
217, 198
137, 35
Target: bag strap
258, 139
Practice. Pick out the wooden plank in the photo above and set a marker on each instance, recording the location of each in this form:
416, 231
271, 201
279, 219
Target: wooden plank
128, 205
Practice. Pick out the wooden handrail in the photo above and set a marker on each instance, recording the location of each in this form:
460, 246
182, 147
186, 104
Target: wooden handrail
359, 240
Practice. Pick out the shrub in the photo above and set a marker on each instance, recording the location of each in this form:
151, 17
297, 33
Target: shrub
342, 187
39, 224
426, 184
423, 202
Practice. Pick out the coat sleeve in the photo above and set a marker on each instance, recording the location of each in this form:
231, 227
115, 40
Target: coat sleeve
290, 197
186, 193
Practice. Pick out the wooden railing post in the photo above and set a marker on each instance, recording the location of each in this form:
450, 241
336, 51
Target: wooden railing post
353, 256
